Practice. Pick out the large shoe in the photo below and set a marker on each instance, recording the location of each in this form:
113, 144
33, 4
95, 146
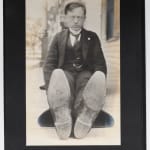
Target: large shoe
84, 122
94, 96
59, 101
63, 122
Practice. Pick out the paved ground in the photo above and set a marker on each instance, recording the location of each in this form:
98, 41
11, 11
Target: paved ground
36, 103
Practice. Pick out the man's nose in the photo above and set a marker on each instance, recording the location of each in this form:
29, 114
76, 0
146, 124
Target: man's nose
76, 20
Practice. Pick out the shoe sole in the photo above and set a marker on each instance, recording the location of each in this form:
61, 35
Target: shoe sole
63, 130
81, 129
95, 91
59, 90
94, 100
58, 97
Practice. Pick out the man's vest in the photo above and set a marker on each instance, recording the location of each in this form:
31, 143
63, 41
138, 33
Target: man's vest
73, 56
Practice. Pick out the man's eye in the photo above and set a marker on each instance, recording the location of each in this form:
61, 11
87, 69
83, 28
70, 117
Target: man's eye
78, 17
72, 17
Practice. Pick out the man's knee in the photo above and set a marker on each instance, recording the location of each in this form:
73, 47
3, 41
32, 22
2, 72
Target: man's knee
57, 73
98, 75
58, 78
98, 80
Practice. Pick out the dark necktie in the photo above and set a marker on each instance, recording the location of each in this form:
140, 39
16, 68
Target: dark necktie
76, 37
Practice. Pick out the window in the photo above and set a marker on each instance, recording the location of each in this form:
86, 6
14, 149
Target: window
110, 19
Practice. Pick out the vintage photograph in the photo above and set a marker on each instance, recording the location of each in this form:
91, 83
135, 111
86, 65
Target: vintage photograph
73, 72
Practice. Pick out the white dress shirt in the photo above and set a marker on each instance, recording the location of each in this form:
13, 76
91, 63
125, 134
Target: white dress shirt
73, 38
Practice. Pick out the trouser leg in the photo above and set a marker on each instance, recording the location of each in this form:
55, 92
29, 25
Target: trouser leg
93, 97
59, 99
81, 81
71, 80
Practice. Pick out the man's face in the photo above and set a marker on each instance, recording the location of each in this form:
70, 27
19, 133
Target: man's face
75, 18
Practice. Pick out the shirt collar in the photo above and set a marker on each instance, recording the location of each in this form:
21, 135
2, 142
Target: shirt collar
75, 32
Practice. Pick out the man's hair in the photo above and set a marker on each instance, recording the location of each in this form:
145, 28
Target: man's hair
73, 5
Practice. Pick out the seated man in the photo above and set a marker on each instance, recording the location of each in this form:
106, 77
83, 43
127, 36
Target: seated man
74, 73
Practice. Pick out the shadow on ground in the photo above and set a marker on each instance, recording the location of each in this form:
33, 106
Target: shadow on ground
103, 120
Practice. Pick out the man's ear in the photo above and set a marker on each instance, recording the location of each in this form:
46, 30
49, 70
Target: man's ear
84, 18
65, 19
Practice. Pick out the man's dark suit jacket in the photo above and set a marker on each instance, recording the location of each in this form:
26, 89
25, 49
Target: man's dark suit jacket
91, 49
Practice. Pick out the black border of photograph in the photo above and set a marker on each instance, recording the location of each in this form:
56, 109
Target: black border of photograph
133, 101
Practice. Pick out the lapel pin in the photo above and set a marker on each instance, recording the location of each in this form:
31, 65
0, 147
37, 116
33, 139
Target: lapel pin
89, 38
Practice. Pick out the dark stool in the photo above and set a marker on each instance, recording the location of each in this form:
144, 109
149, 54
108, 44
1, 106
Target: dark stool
102, 121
